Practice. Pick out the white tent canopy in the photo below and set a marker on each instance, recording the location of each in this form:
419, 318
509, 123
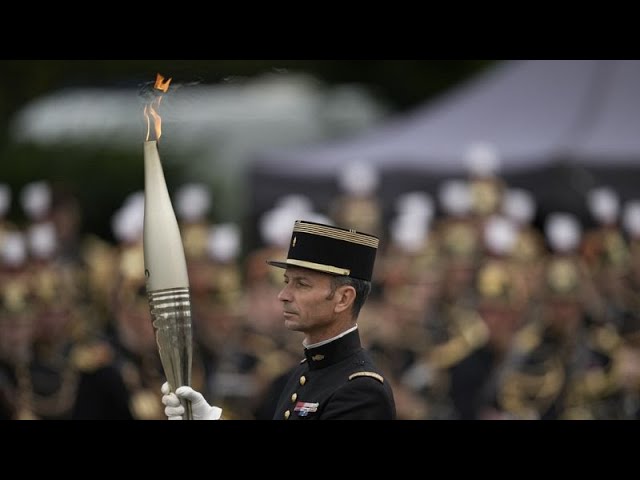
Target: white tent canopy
538, 114
613, 136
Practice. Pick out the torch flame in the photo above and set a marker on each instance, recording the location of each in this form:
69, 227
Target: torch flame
161, 83
152, 108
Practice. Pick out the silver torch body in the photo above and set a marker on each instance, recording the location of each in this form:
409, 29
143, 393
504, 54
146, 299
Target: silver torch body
166, 276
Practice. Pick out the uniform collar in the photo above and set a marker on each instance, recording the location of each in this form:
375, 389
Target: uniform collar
338, 349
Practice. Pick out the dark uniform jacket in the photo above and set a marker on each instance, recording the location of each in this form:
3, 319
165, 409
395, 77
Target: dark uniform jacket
336, 381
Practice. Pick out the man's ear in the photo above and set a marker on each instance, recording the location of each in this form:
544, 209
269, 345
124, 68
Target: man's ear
345, 296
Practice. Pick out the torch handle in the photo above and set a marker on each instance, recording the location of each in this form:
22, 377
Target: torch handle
171, 316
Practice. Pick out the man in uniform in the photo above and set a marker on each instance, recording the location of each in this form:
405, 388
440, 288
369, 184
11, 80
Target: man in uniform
327, 280
563, 362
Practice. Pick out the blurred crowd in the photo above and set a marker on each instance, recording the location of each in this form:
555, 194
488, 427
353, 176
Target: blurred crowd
475, 312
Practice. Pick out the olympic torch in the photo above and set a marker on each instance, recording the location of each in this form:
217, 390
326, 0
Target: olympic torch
164, 262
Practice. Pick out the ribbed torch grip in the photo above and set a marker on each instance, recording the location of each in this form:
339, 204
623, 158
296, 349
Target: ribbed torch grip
171, 316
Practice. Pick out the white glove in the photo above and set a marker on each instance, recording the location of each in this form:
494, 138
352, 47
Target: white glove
200, 409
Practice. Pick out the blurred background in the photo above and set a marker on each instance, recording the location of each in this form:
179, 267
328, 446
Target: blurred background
504, 193
65, 119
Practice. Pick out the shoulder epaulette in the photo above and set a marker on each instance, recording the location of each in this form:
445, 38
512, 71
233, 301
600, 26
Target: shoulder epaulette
468, 333
367, 374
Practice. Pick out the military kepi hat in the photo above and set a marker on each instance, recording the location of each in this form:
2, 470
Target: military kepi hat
329, 249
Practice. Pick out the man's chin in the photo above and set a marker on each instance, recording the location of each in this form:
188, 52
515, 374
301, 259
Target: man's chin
291, 324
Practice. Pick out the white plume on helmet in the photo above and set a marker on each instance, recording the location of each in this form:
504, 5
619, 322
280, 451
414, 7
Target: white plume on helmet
417, 203
563, 231
500, 235
631, 218
482, 159
128, 222
13, 249
35, 198
519, 205
409, 231
358, 178
223, 242
193, 201
42, 240
604, 204
455, 197
295, 202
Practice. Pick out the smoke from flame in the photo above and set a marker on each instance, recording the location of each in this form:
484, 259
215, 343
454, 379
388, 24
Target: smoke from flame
151, 110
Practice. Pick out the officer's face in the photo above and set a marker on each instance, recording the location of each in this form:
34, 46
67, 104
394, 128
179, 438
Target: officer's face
306, 301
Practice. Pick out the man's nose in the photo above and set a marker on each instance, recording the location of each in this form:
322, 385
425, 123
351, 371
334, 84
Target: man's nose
284, 295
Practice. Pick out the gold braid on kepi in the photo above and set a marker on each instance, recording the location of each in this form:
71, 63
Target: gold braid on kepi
329, 249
